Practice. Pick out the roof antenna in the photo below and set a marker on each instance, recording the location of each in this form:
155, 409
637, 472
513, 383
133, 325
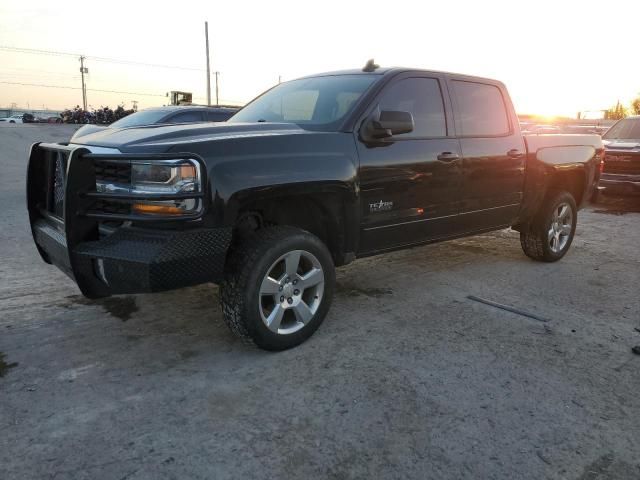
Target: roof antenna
370, 66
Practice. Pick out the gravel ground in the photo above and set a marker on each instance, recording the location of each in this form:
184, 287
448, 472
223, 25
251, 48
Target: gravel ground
407, 377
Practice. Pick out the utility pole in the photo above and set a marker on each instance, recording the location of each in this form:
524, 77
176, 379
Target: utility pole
206, 37
217, 103
83, 70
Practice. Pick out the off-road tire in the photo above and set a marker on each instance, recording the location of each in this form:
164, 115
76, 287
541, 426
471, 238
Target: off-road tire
245, 268
534, 240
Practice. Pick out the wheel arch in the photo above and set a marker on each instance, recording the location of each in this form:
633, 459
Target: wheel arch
326, 209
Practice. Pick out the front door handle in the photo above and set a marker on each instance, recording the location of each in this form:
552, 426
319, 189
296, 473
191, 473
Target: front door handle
448, 157
515, 153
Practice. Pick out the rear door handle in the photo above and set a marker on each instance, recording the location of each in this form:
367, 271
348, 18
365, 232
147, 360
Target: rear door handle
515, 153
448, 157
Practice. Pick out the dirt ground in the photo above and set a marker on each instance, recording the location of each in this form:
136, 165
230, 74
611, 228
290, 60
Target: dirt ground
406, 378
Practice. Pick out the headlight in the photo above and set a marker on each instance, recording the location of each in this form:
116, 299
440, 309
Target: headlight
151, 178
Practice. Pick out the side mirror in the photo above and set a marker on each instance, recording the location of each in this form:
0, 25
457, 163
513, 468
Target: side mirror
385, 124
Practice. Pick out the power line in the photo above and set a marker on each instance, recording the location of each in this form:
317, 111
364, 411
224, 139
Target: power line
154, 65
98, 59
37, 51
79, 88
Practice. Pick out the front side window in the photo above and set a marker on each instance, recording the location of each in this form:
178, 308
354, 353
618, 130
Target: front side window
423, 99
309, 102
481, 109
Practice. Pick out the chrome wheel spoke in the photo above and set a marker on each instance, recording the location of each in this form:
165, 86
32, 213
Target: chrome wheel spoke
302, 312
312, 278
274, 319
292, 262
565, 229
564, 211
551, 233
269, 286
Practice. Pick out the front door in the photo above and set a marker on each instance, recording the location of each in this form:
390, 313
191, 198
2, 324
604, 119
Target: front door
410, 186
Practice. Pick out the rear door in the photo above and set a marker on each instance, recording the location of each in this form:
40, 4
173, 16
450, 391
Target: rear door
410, 186
493, 153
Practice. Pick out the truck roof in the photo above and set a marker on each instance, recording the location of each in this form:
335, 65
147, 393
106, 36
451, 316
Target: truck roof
394, 70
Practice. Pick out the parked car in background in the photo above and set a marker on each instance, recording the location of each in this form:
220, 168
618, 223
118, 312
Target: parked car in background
542, 129
581, 129
170, 115
621, 167
12, 119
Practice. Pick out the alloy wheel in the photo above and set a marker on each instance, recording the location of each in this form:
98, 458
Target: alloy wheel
560, 228
291, 292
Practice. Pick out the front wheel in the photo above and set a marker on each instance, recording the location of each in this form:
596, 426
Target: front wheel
549, 236
278, 287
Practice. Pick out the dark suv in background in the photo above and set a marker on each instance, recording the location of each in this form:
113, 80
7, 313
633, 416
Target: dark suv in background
621, 169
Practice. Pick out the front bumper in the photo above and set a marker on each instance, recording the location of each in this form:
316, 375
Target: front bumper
129, 259
620, 184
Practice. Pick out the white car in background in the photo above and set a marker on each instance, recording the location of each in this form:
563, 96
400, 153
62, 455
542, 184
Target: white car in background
13, 119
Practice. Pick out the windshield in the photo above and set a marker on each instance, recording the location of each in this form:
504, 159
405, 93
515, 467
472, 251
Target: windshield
317, 101
145, 117
627, 129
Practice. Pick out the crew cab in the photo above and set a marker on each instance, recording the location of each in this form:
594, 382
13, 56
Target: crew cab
621, 168
312, 174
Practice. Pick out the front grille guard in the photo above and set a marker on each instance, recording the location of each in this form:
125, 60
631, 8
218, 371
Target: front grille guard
77, 220
80, 181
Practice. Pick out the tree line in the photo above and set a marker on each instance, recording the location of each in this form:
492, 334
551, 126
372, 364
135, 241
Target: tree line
620, 111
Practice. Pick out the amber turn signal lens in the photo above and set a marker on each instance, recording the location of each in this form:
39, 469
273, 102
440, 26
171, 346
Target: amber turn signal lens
156, 209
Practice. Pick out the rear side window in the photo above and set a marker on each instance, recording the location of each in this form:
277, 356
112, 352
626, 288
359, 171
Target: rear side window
481, 109
423, 99
185, 117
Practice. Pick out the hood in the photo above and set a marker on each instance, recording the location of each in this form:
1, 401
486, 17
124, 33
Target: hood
86, 130
621, 143
160, 138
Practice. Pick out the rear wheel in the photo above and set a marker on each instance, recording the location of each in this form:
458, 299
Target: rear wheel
278, 287
549, 236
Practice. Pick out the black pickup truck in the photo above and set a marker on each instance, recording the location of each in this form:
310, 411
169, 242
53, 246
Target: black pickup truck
312, 174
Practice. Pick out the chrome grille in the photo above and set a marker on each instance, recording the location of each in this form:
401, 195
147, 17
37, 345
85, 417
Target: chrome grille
622, 163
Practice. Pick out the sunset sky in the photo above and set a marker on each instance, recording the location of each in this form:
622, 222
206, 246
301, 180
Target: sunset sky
556, 57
